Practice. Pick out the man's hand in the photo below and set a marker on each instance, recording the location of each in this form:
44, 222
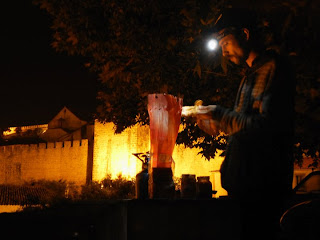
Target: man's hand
205, 121
209, 126
203, 114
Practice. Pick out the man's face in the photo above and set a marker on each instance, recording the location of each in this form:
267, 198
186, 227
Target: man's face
231, 49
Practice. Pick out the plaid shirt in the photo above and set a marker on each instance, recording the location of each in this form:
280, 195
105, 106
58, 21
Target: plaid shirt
263, 96
259, 127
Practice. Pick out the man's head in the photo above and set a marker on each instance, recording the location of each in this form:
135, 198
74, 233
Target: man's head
233, 29
235, 47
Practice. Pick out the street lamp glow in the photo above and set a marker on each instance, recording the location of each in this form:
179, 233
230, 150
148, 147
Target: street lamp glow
212, 44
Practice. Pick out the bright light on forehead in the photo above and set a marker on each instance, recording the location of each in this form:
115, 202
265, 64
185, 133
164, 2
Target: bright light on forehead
212, 44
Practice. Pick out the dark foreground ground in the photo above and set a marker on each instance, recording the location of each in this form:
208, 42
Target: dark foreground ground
179, 219
122, 220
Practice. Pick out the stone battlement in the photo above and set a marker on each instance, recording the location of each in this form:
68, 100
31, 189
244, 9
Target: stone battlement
49, 145
57, 160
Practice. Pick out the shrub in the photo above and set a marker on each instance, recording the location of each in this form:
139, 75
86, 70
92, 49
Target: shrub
59, 192
119, 188
55, 191
93, 191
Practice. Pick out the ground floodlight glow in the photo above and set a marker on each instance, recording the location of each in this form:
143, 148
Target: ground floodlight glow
212, 44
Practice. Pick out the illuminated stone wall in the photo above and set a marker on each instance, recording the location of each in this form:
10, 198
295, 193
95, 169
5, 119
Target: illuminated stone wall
113, 155
53, 161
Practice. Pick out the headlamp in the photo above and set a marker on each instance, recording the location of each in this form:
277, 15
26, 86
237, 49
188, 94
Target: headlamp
212, 44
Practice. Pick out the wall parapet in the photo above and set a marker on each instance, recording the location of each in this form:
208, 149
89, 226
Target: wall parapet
52, 161
74, 143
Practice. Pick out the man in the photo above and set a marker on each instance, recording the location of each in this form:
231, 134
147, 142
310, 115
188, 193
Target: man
258, 167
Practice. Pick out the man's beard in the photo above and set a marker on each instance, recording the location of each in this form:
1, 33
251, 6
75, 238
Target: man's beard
237, 60
234, 59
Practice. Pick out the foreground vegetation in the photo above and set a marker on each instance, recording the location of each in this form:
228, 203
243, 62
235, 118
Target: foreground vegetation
62, 192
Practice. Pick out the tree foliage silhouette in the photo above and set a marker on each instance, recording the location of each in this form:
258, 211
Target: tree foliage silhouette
141, 47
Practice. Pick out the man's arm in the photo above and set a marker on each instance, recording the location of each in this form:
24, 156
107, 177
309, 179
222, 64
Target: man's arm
231, 121
271, 103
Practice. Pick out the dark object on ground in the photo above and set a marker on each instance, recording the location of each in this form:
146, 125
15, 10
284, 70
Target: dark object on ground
142, 179
302, 218
161, 185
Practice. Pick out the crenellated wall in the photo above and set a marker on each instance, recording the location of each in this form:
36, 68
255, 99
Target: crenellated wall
79, 162
52, 161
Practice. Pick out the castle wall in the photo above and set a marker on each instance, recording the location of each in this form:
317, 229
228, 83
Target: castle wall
113, 155
52, 161
110, 153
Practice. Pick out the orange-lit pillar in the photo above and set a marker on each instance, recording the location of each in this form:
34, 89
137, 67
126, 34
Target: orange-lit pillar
165, 115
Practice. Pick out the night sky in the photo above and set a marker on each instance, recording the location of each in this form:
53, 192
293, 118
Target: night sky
36, 81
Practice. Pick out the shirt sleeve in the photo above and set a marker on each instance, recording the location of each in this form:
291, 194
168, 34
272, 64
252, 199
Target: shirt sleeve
231, 121
263, 104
